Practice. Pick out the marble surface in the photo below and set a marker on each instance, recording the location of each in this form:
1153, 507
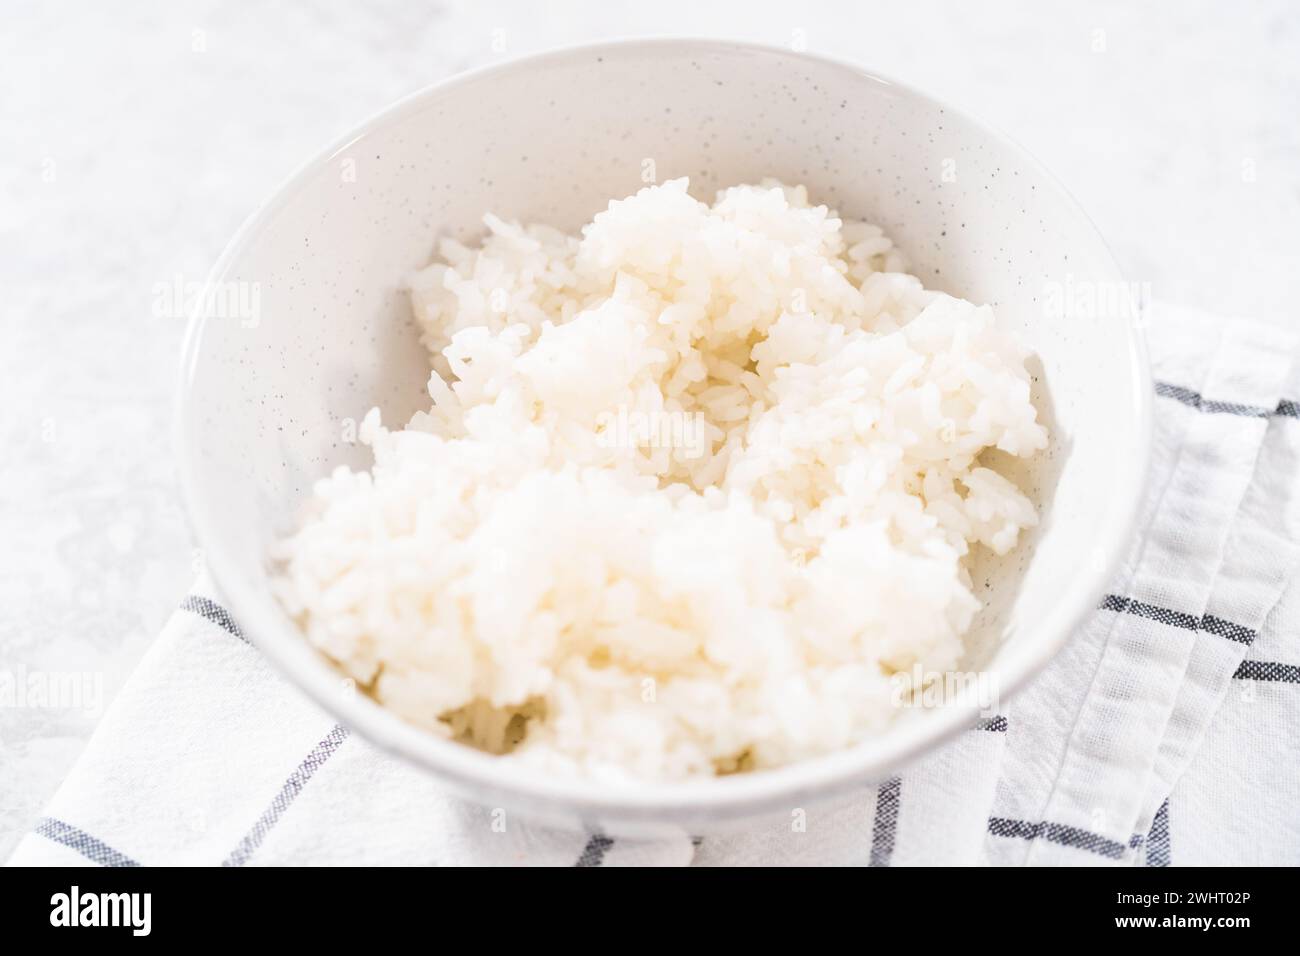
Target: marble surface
138, 136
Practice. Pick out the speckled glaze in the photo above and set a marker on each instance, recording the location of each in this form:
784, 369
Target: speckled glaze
266, 405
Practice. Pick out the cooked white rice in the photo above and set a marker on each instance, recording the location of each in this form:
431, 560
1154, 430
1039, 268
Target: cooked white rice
692, 488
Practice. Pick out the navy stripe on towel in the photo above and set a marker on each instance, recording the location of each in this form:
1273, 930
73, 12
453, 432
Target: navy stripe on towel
92, 848
1195, 400
1158, 838
1269, 671
288, 793
593, 854
214, 612
1058, 833
885, 827
1207, 623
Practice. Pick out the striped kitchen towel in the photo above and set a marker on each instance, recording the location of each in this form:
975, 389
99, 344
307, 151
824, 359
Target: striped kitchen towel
1167, 731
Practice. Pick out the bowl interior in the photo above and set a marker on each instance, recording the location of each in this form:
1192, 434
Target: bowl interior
306, 326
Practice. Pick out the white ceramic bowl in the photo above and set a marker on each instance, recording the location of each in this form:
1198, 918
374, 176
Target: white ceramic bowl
552, 139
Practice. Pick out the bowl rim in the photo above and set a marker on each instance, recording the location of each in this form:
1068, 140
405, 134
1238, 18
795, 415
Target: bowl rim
482, 776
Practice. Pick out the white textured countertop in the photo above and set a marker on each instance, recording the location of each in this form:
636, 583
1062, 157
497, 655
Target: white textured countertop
137, 138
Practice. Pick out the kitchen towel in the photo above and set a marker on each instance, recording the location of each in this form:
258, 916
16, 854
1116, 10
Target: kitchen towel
1166, 732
